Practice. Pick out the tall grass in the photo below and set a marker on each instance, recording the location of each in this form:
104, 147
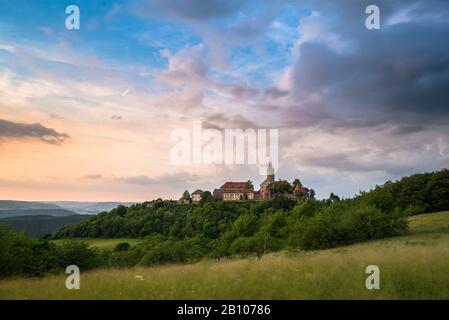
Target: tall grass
415, 266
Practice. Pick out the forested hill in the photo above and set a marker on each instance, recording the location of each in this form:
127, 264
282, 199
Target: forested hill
281, 219
35, 212
42, 224
415, 194
213, 229
26, 205
13, 208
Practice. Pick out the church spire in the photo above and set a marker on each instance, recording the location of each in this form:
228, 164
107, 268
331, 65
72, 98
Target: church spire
270, 169
270, 173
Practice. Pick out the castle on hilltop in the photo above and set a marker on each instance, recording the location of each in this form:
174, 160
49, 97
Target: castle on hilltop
242, 191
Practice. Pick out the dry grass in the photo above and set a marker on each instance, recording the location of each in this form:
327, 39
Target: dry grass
415, 266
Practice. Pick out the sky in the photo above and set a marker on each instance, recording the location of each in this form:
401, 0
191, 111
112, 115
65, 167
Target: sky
87, 114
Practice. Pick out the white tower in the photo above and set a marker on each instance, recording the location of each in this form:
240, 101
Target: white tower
270, 173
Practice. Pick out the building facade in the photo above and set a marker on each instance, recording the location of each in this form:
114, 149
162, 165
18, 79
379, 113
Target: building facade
235, 191
197, 195
269, 189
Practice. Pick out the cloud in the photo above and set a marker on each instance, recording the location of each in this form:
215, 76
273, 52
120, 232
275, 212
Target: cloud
116, 117
46, 30
186, 66
9, 129
178, 178
196, 10
275, 93
187, 73
222, 24
93, 176
397, 75
223, 121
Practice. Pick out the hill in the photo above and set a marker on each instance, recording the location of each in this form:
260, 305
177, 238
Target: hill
35, 212
40, 225
13, 208
419, 193
413, 266
82, 207
26, 205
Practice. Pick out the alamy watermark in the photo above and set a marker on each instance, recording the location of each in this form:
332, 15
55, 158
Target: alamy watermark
72, 22
373, 280
227, 146
373, 20
73, 280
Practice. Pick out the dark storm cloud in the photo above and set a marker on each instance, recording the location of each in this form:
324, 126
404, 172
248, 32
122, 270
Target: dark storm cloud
397, 75
404, 130
9, 129
198, 10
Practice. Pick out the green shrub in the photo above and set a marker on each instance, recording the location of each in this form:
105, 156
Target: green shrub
412, 210
122, 246
244, 246
21, 255
72, 252
343, 223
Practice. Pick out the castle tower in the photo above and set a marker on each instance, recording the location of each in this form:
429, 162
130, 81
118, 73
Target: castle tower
270, 173
265, 192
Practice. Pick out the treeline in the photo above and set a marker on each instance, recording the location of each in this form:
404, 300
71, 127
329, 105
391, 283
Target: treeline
217, 229
415, 194
41, 225
22, 255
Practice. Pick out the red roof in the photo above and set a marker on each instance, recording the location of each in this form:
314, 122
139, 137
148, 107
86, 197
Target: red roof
236, 185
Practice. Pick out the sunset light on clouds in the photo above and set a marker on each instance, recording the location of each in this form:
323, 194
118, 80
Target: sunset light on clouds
87, 114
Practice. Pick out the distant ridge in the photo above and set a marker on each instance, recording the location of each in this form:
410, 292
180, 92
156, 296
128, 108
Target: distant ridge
36, 212
85, 207
13, 208
40, 225
9, 208
25, 205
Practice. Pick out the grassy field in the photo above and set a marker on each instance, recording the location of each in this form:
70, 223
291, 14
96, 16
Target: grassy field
415, 266
104, 243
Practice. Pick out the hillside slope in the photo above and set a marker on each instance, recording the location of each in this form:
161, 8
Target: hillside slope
40, 225
414, 266
25, 205
35, 212
81, 207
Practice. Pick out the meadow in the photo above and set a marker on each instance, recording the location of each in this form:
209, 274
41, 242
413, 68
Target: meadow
415, 266
103, 243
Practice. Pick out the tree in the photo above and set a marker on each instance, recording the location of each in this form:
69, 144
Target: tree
186, 195
245, 246
437, 191
122, 246
295, 183
206, 197
333, 197
312, 194
281, 186
245, 225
